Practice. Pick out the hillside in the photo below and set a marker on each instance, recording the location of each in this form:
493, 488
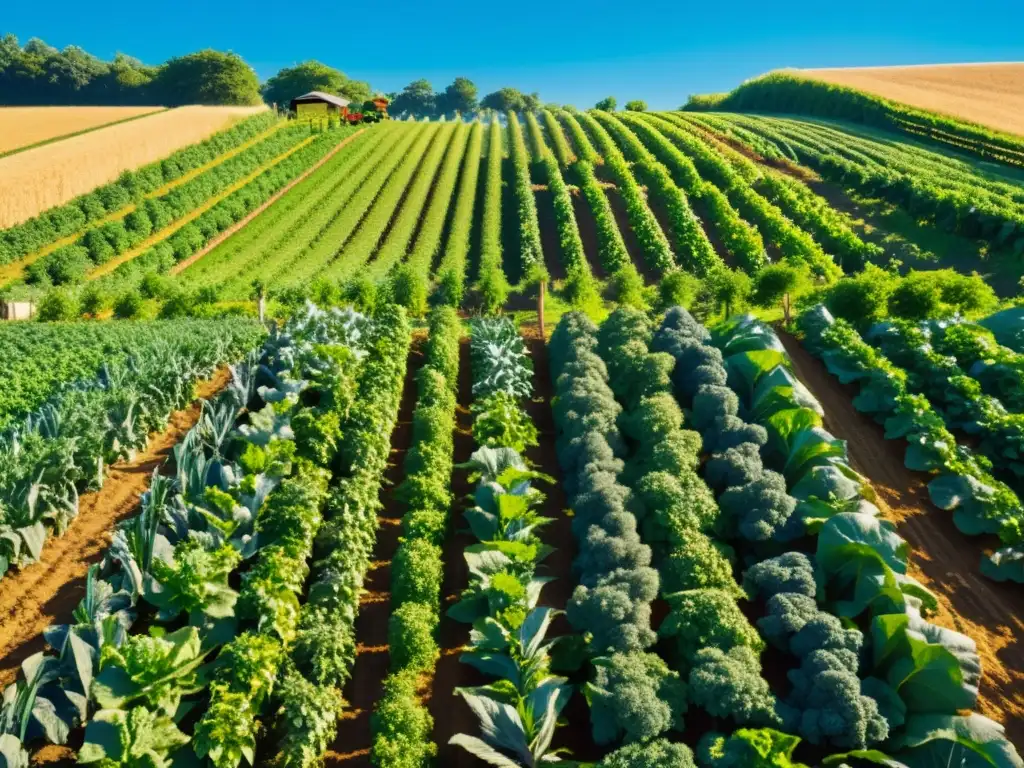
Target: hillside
989, 94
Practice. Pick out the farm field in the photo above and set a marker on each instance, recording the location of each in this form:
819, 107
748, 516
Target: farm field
38, 179
990, 94
616, 439
23, 127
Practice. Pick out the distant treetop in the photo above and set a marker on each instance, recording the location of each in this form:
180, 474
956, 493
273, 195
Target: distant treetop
40, 74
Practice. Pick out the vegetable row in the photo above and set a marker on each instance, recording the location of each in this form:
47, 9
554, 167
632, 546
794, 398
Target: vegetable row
963, 481
99, 408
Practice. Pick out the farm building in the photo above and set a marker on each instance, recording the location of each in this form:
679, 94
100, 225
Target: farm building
318, 103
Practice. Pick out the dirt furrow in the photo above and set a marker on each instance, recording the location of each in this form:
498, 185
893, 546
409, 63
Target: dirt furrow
351, 747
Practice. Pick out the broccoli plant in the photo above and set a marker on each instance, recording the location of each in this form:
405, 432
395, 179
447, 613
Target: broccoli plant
703, 618
729, 684
792, 572
659, 753
614, 614
758, 510
634, 696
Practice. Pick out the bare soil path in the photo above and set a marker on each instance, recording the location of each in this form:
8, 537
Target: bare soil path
451, 714
47, 592
351, 747
943, 559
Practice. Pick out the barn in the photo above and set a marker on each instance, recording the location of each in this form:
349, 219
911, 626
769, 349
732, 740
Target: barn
319, 104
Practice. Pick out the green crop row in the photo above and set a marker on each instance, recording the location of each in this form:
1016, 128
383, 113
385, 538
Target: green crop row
656, 249
405, 222
810, 211
442, 198
401, 724
100, 244
63, 221
560, 144
288, 226
196, 234
791, 241
491, 281
693, 249
531, 254
358, 249
325, 247
451, 272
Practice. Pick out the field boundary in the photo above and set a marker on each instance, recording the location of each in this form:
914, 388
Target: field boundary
63, 136
223, 236
16, 269
166, 232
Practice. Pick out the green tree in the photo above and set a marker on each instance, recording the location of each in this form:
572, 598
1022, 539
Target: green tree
417, 98
57, 304
301, 79
460, 96
207, 77
505, 100
637, 105
778, 283
727, 289
607, 104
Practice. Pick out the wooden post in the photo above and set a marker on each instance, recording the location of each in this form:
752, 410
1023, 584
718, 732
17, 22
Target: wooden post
540, 307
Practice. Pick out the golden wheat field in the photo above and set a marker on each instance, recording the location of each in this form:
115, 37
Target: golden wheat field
24, 126
990, 94
40, 178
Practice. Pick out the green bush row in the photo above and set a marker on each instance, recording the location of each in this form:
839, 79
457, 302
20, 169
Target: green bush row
401, 724
28, 237
102, 243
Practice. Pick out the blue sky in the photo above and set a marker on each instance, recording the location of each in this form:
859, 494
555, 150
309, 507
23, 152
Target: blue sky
570, 52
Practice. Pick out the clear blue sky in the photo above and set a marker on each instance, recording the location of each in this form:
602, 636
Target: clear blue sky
569, 51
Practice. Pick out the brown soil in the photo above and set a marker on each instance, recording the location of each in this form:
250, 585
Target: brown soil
943, 559
183, 265
47, 592
588, 234
636, 253
549, 239
351, 747
450, 712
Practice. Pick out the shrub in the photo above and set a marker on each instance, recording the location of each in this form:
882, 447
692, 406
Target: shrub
416, 572
57, 304
128, 305
864, 298
411, 636
409, 289
93, 300
628, 287
677, 289
916, 298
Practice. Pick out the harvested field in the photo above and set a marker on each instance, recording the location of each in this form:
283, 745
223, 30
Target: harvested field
989, 94
23, 127
40, 178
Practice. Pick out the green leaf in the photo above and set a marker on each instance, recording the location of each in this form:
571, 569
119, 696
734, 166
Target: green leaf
938, 741
935, 670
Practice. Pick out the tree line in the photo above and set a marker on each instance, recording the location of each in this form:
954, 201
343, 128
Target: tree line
39, 74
